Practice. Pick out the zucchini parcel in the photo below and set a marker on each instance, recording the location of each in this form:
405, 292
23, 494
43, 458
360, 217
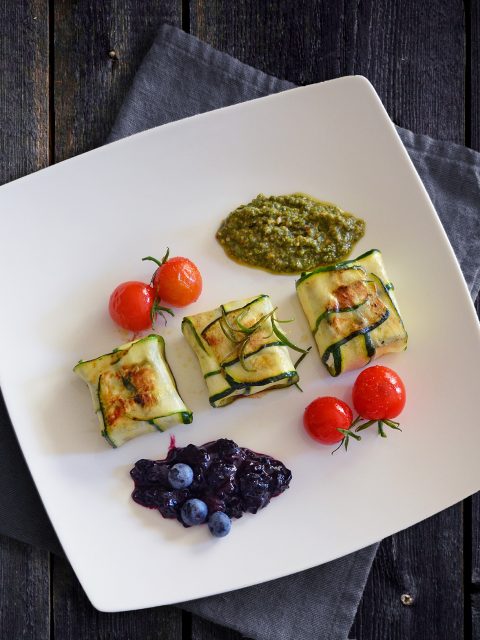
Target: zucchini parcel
240, 349
352, 312
133, 390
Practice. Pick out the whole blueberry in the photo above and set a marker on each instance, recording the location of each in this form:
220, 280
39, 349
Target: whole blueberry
193, 512
219, 524
180, 476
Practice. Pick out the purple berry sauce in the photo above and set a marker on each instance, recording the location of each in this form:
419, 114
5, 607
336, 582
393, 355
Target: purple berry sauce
226, 477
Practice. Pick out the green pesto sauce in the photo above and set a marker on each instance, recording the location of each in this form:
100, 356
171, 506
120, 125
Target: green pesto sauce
289, 234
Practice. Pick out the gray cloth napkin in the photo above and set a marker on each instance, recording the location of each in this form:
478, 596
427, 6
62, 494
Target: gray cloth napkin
180, 77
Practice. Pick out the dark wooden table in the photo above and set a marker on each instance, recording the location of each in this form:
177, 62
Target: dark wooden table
65, 67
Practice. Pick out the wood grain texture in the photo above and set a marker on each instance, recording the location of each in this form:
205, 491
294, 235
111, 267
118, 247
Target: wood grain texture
414, 54
475, 605
475, 554
204, 630
475, 501
473, 40
25, 591
424, 562
24, 83
24, 148
98, 47
300, 41
75, 618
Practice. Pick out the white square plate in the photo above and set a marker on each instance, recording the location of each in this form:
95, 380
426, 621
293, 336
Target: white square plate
76, 230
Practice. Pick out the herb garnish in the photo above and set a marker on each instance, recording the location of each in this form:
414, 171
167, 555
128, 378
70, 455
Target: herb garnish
240, 335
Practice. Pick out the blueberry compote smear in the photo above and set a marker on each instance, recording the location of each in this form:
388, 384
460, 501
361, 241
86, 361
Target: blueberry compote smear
226, 477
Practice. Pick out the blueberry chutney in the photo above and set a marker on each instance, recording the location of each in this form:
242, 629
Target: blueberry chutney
228, 478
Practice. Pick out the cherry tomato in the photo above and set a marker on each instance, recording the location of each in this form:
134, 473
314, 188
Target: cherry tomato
177, 282
130, 305
324, 416
379, 394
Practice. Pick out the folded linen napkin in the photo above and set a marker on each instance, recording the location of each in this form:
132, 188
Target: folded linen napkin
180, 77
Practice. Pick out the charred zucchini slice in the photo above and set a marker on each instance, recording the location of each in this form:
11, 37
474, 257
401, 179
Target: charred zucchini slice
238, 350
352, 312
133, 390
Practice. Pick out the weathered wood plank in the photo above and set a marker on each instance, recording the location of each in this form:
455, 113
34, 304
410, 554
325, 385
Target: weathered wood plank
424, 562
204, 630
24, 147
74, 617
23, 514
473, 41
23, 88
300, 41
414, 54
408, 50
475, 606
98, 47
25, 591
475, 505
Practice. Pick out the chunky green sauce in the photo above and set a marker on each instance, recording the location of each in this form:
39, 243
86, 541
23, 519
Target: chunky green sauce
289, 234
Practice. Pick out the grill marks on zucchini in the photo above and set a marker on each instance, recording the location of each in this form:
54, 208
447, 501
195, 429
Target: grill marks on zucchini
352, 312
230, 363
334, 349
239, 351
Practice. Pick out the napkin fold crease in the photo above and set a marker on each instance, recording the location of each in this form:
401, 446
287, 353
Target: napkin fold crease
181, 77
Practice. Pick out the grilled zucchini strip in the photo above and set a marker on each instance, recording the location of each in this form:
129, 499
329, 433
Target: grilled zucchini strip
133, 390
352, 312
238, 351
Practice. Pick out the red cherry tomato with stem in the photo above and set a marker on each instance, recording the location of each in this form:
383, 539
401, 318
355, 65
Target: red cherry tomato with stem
328, 420
379, 395
131, 305
177, 281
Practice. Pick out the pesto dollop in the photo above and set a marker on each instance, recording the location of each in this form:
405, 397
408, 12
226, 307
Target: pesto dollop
289, 234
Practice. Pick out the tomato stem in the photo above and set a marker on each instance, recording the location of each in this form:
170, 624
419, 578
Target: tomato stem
347, 434
337, 448
392, 424
380, 424
357, 419
381, 432
157, 310
365, 425
158, 262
